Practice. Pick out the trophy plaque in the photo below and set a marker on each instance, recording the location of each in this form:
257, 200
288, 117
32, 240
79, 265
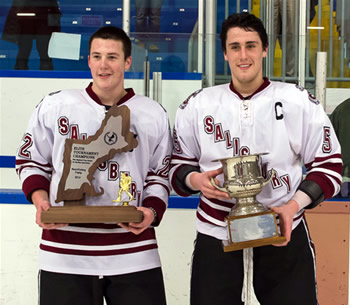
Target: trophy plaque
81, 158
250, 224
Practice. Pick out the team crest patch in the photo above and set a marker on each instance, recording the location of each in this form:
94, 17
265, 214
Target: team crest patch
313, 99
301, 88
185, 103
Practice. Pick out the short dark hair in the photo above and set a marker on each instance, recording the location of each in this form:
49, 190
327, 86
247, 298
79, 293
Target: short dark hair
246, 21
115, 33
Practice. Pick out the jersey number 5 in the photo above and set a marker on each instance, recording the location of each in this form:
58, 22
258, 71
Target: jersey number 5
327, 144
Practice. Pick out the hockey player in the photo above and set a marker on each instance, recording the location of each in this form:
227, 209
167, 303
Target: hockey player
86, 263
246, 116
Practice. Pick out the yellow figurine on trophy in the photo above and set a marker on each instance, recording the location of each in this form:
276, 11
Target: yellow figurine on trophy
125, 181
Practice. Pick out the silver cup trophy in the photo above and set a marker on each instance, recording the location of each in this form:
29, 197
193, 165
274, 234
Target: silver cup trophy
250, 223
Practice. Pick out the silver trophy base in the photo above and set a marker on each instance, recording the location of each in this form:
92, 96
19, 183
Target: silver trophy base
254, 230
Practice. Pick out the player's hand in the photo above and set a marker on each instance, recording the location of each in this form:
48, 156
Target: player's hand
40, 199
138, 227
286, 215
201, 181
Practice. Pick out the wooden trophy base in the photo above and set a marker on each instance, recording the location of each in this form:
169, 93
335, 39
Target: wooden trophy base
91, 214
252, 230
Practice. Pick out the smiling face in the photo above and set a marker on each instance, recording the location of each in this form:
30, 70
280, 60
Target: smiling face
107, 64
245, 53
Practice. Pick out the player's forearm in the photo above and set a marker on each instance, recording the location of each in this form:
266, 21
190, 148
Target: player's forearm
191, 181
39, 195
159, 207
302, 199
33, 183
181, 180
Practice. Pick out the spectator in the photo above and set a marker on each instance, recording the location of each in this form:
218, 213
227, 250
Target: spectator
30, 20
148, 22
343, 25
291, 48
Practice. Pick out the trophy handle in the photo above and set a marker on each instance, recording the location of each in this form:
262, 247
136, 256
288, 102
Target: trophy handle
218, 187
273, 172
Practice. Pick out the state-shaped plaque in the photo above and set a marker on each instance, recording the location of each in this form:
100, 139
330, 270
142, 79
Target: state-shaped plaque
81, 158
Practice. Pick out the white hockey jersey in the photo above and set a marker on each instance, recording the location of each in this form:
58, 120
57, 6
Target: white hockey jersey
280, 119
98, 249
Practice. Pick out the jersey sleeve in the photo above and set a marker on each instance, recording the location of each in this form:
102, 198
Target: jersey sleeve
34, 155
320, 148
157, 187
186, 149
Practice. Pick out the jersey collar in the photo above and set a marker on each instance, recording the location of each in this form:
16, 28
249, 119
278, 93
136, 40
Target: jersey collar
261, 88
130, 93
